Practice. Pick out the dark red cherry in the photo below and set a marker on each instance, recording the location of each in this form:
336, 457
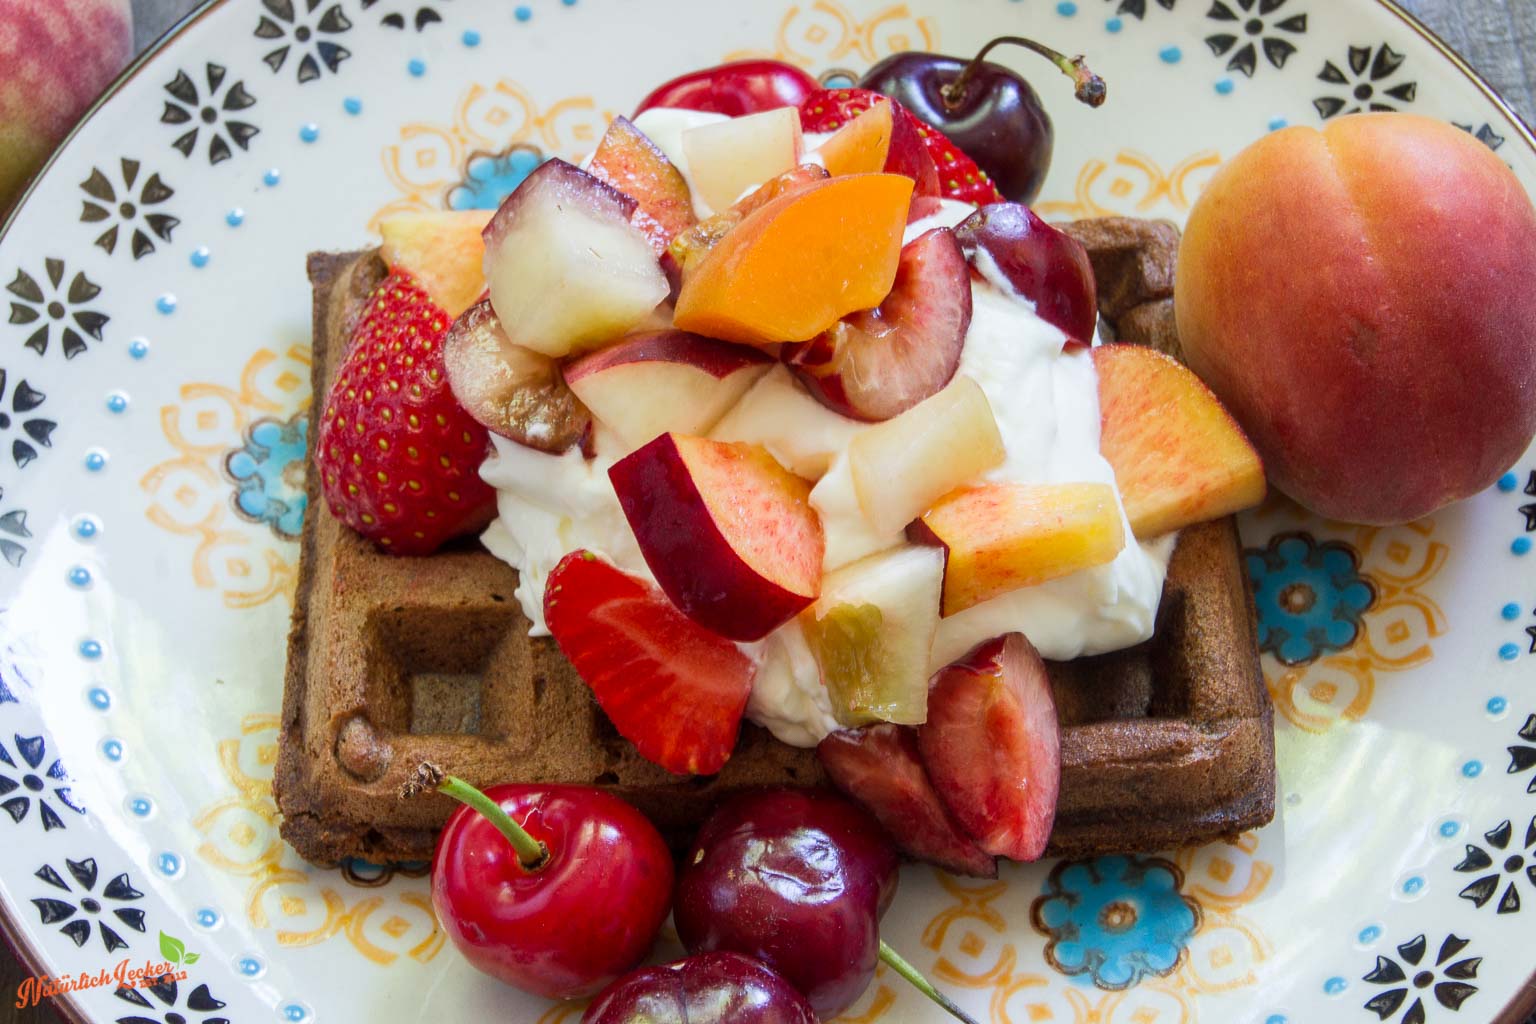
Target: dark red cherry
711, 988
1008, 244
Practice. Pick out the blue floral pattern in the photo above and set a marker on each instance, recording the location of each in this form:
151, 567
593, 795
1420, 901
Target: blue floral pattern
1310, 596
1117, 919
491, 177
268, 471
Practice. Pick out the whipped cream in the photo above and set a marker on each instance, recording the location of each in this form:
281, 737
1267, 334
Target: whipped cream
1045, 400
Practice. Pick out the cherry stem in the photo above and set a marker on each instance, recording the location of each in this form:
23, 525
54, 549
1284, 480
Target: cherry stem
1090, 87
894, 960
531, 853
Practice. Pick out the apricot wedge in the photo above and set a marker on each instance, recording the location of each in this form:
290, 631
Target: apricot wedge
799, 264
861, 145
443, 250
1179, 457
1002, 537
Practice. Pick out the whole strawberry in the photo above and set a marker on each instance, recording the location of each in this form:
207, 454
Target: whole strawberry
399, 459
827, 110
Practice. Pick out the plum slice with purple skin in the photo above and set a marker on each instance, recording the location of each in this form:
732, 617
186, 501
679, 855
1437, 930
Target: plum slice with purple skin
878, 363
1010, 246
567, 271
510, 390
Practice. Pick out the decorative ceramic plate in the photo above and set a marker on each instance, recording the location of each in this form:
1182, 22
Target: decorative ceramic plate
153, 384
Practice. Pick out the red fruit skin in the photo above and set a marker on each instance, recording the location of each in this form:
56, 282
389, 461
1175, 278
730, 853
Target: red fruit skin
711, 988
683, 712
409, 480
564, 931
796, 878
992, 746
959, 176
735, 89
880, 767
1048, 267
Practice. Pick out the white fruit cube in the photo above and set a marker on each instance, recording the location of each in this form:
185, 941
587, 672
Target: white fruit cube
729, 157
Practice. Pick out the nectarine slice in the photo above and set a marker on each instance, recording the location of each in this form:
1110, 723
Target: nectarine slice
443, 250
632, 163
861, 145
691, 245
1179, 457
1002, 537
798, 265
729, 534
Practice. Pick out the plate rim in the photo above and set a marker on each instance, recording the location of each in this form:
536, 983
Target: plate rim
14, 935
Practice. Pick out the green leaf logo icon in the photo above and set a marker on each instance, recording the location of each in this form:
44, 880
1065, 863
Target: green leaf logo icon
173, 949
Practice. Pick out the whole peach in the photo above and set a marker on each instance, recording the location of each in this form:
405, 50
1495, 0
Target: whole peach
1363, 299
56, 56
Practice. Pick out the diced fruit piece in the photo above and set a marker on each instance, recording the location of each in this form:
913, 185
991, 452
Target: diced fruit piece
992, 746
1001, 537
879, 362
1179, 457
728, 157
443, 251
881, 768
510, 390
399, 458
958, 177
904, 465
662, 381
729, 533
871, 631
1024, 256
688, 247
672, 688
777, 413
567, 270
632, 163
795, 266
883, 138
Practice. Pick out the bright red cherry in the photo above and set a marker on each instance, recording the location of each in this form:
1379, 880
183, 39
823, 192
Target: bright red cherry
556, 890
738, 88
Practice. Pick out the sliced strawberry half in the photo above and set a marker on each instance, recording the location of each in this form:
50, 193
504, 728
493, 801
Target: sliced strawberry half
881, 768
671, 687
992, 746
878, 363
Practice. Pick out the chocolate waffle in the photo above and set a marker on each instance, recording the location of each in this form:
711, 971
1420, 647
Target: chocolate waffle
392, 661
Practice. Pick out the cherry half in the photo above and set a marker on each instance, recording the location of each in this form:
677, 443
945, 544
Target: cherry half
556, 890
1008, 244
799, 879
988, 110
711, 988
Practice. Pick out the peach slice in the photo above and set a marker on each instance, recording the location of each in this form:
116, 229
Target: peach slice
632, 163
688, 247
728, 157
443, 250
1001, 537
882, 139
662, 381
871, 632
1179, 457
799, 264
729, 533
904, 465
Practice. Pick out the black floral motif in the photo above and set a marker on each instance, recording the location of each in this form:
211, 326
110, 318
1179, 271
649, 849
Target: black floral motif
299, 30
1529, 511
1498, 860
1138, 8
77, 916
421, 14
1484, 133
123, 205
50, 304
33, 751
209, 109
1369, 74
25, 400
200, 1002
1250, 29
1451, 984
13, 524
1522, 756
